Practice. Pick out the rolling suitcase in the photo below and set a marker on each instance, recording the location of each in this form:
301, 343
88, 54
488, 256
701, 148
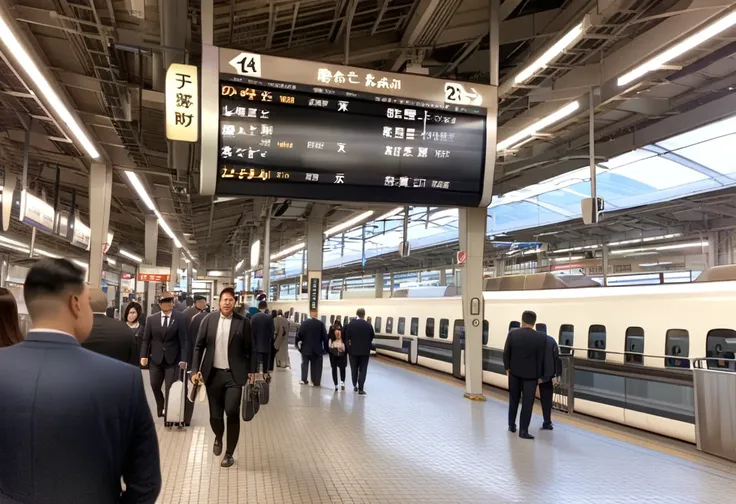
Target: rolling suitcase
175, 403
251, 402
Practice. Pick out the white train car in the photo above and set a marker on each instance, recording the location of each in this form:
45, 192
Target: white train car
630, 345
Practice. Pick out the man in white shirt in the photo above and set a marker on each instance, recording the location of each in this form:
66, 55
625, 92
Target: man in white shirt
224, 359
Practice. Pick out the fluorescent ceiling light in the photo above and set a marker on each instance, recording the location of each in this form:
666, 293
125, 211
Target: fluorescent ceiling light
679, 49
287, 251
348, 223
558, 48
80, 263
391, 213
12, 242
533, 129
646, 265
130, 256
683, 245
568, 259
24, 60
138, 186
111, 261
14, 247
46, 254
255, 253
237, 266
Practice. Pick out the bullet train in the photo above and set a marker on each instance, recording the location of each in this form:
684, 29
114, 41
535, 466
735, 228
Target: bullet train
632, 347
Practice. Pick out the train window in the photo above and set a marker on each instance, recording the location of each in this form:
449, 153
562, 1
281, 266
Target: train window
459, 330
389, 325
444, 328
377, 328
429, 330
485, 333
402, 325
324, 319
332, 319
677, 344
634, 346
304, 317
542, 328
566, 339
514, 325
597, 340
345, 320
721, 344
414, 329
369, 320
296, 316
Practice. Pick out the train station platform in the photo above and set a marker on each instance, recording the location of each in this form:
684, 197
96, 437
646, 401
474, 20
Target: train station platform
415, 439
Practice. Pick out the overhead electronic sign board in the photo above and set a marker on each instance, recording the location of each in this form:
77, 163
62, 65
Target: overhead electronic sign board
298, 129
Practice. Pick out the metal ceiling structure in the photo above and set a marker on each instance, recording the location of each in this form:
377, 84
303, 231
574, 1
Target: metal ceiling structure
107, 60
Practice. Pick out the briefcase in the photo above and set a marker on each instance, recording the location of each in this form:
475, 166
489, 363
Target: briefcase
251, 402
264, 392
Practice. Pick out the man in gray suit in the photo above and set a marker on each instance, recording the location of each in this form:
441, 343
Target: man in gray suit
72, 422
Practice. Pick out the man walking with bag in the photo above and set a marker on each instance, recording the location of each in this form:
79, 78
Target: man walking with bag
359, 336
224, 360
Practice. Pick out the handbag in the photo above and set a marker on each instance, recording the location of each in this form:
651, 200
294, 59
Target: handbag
264, 392
251, 402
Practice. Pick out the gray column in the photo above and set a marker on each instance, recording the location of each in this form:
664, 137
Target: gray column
379, 285
443, 276
315, 243
712, 249
100, 197
190, 277
391, 281
472, 241
175, 265
151, 251
4, 265
267, 256
605, 264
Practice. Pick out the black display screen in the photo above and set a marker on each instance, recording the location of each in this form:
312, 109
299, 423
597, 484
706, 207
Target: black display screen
317, 143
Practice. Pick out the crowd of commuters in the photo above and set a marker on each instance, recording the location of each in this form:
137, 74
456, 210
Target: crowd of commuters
47, 373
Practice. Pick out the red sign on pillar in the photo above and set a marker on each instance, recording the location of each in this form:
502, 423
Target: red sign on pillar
462, 256
150, 277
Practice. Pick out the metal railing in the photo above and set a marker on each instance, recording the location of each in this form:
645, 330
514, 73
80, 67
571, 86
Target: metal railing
715, 407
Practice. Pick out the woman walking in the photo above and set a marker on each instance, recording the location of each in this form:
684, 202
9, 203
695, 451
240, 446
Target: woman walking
338, 354
281, 341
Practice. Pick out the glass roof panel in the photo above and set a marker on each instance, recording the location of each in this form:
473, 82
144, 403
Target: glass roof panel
717, 129
713, 154
659, 173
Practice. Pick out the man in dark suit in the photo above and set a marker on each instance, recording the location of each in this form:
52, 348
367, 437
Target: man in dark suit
550, 378
200, 304
109, 310
359, 335
227, 354
263, 333
165, 343
312, 343
109, 336
523, 359
72, 422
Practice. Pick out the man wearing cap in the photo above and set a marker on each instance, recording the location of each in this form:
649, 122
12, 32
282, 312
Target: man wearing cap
165, 344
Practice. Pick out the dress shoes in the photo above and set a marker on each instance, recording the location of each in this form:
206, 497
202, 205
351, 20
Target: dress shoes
525, 435
217, 447
227, 460
547, 426
512, 428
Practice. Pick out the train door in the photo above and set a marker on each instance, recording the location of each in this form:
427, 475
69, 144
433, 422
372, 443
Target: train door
458, 345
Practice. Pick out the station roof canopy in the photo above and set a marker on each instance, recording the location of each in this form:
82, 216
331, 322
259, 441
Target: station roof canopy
106, 60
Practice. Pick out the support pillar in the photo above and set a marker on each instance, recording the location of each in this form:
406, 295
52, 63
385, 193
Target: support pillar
443, 277
4, 266
100, 198
151, 251
190, 278
267, 256
605, 265
379, 285
315, 244
472, 241
391, 280
175, 266
712, 249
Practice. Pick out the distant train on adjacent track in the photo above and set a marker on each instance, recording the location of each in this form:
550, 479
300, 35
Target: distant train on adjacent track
631, 346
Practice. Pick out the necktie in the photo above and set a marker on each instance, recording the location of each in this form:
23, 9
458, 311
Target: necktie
166, 321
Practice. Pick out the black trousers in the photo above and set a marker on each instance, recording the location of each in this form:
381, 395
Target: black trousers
263, 362
519, 388
272, 358
358, 369
160, 373
315, 362
224, 396
546, 392
340, 363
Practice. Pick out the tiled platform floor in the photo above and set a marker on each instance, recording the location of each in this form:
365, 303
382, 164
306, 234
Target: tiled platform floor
414, 439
